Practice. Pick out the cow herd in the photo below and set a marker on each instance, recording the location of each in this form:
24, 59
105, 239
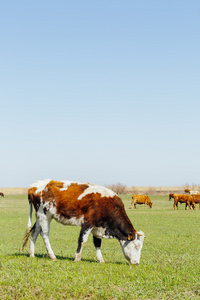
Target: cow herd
190, 198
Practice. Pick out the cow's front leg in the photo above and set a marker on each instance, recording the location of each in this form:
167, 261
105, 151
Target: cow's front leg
97, 244
83, 237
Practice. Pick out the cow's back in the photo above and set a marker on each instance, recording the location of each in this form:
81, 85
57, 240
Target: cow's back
76, 203
140, 199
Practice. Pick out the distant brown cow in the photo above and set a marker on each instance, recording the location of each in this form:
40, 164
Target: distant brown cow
141, 199
2, 194
182, 198
196, 199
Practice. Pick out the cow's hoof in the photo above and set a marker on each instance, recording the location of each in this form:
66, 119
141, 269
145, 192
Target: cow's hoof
77, 258
53, 257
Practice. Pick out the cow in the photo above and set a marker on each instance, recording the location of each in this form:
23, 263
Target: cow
183, 198
141, 199
196, 199
98, 210
187, 191
171, 196
2, 194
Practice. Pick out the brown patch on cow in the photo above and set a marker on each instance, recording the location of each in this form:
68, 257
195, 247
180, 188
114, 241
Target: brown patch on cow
34, 198
55, 183
66, 201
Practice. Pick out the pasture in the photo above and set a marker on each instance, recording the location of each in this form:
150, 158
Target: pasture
169, 266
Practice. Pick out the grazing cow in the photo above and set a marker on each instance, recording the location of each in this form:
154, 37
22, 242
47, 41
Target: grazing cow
1, 194
196, 199
96, 209
141, 199
187, 191
182, 198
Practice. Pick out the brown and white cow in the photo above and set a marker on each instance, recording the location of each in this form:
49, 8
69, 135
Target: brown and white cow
183, 198
141, 199
1, 194
187, 191
96, 209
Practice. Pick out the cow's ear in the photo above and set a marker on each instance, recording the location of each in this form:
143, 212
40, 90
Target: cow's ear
138, 233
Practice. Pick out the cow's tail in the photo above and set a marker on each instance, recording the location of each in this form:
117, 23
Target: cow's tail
29, 228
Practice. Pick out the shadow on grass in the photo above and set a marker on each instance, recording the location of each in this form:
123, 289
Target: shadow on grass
45, 256
60, 257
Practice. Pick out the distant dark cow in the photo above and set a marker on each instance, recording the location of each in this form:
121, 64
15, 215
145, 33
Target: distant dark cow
96, 209
196, 199
183, 198
141, 199
1, 194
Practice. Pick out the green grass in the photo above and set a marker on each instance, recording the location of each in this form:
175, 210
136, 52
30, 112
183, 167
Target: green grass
169, 266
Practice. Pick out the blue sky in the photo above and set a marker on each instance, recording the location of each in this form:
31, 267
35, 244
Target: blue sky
100, 91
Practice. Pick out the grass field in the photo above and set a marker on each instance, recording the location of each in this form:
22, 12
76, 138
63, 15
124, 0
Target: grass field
169, 266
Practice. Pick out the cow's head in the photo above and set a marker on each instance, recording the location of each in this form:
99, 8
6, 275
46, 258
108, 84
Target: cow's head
150, 204
194, 205
132, 249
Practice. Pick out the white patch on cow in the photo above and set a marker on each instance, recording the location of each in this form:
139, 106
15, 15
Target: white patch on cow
49, 206
194, 193
67, 183
72, 221
40, 185
86, 235
132, 249
93, 189
100, 233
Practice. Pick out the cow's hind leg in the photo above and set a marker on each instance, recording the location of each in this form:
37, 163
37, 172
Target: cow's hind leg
44, 220
34, 234
84, 233
97, 244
